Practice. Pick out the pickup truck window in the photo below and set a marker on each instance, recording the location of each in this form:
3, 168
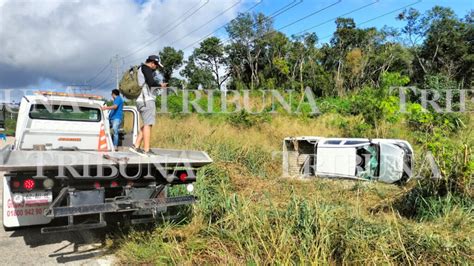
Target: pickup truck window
333, 142
65, 112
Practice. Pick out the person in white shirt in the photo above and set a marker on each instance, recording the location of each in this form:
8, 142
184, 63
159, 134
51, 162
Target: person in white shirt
146, 102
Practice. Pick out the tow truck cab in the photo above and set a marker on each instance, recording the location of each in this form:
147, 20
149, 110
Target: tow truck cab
63, 164
68, 123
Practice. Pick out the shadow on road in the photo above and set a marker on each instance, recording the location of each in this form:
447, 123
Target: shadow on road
78, 246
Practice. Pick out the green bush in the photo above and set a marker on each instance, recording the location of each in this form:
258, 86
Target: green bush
10, 127
454, 168
352, 126
174, 103
376, 104
424, 120
335, 105
245, 119
419, 119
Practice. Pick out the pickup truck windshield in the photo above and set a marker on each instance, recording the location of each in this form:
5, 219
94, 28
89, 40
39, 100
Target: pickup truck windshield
369, 162
65, 112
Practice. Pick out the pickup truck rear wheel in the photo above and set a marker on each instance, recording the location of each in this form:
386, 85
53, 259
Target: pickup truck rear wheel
403, 180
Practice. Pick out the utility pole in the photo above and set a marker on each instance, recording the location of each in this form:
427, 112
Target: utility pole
116, 64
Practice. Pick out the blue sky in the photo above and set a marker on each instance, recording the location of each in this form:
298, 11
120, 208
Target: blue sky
378, 14
380, 8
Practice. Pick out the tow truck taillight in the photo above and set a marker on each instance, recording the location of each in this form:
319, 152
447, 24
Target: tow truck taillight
29, 184
16, 184
183, 177
96, 184
113, 184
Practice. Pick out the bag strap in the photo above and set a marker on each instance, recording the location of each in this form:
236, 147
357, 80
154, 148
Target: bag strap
143, 95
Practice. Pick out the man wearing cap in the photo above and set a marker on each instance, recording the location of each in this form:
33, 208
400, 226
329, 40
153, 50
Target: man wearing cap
146, 102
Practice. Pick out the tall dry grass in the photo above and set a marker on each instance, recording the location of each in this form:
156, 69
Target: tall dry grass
247, 214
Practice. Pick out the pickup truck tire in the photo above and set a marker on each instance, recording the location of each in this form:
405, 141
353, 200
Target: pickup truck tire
403, 180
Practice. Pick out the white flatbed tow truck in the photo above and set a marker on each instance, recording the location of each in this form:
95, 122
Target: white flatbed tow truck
63, 165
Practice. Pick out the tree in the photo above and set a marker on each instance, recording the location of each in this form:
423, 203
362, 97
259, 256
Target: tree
197, 75
348, 55
171, 60
210, 55
388, 56
441, 42
302, 55
437, 44
274, 61
247, 32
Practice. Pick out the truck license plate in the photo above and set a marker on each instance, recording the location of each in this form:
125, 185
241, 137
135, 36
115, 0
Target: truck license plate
37, 197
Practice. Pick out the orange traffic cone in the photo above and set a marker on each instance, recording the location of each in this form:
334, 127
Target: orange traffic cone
102, 139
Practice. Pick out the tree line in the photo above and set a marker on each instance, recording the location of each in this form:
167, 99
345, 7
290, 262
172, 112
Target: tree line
432, 47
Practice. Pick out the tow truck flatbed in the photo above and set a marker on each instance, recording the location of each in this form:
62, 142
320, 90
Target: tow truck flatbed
22, 160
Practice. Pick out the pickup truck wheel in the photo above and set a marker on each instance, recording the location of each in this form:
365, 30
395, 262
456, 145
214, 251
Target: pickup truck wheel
403, 180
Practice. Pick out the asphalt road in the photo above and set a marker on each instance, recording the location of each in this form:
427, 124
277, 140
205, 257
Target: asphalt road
27, 246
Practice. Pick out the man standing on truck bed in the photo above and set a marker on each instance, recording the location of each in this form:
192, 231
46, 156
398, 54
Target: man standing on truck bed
116, 115
146, 102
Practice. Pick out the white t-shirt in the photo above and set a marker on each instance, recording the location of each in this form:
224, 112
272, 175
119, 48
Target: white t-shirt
148, 94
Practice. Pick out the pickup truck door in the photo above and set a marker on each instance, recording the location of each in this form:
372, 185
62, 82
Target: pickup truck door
130, 125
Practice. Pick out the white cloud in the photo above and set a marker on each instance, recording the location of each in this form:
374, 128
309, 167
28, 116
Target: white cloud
69, 41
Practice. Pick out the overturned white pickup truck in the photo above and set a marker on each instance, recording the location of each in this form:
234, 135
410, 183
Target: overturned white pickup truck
386, 160
63, 165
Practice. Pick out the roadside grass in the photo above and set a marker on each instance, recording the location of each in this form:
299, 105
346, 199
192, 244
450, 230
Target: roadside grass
247, 214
